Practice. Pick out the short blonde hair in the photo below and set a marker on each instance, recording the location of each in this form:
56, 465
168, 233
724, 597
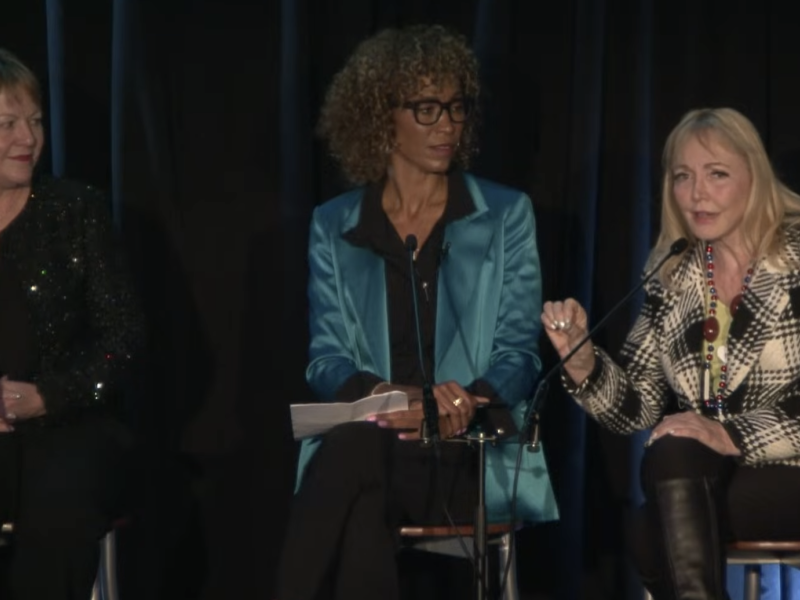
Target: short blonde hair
16, 77
771, 206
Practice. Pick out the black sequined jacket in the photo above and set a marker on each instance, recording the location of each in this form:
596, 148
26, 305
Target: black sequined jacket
83, 314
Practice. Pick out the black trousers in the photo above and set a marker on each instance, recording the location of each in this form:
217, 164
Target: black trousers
61, 485
755, 503
359, 488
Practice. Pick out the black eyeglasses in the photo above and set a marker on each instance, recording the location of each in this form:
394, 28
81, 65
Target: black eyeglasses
428, 112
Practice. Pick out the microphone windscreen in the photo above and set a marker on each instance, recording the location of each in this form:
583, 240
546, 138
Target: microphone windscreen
677, 246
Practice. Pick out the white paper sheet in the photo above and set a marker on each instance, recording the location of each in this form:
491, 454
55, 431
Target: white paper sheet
309, 420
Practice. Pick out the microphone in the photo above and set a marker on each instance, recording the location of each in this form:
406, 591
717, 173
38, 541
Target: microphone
530, 430
429, 431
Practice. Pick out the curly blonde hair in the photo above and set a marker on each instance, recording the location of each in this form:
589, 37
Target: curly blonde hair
15, 77
383, 72
771, 206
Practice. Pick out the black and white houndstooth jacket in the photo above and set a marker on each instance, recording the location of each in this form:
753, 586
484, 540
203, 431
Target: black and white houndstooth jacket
662, 357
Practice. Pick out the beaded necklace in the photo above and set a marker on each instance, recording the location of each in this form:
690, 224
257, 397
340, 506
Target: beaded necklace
711, 331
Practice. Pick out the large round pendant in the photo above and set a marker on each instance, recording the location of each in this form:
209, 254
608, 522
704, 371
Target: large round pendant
737, 300
711, 329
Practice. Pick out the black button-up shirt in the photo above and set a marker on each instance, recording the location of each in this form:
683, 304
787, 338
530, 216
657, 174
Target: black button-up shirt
376, 232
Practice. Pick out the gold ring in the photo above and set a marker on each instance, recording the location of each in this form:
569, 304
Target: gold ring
458, 401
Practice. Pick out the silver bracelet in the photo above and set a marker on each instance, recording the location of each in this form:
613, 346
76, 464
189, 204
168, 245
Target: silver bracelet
569, 384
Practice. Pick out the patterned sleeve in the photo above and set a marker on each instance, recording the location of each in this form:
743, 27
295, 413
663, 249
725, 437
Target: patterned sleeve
770, 433
630, 396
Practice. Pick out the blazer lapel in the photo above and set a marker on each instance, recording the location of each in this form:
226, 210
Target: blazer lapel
757, 317
469, 240
363, 278
683, 327
753, 325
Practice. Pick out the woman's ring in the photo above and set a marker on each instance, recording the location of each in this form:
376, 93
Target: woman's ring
458, 401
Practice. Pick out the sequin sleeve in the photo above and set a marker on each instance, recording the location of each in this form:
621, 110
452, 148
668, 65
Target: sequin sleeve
92, 369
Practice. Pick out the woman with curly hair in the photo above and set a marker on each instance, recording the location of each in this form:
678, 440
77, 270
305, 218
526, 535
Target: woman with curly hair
401, 118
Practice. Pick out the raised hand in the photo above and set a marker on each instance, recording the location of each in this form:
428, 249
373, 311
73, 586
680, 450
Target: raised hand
566, 324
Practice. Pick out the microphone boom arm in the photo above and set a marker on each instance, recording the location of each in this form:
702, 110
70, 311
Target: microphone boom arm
530, 428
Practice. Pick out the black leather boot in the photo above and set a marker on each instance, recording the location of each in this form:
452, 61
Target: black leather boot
694, 563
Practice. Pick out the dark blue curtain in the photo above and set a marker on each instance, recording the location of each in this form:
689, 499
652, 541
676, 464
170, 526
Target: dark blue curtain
197, 117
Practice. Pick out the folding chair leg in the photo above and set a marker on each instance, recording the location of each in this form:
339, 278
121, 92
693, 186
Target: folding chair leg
107, 570
505, 551
752, 582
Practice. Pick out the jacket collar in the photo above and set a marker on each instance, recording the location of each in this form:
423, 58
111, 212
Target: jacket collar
755, 323
362, 270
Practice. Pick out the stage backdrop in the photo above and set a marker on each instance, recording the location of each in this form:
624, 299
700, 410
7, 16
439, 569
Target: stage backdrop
197, 116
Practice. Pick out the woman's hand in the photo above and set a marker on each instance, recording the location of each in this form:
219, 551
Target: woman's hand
566, 325
457, 403
456, 410
691, 425
19, 400
414, 392
410, 421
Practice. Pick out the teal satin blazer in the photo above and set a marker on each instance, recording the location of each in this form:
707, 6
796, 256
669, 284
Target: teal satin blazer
487, 321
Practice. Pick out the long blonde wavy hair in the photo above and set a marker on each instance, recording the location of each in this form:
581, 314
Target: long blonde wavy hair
771, 206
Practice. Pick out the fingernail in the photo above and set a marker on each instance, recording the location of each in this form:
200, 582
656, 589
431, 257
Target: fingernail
383, 423
371, 419
648, 443
402, 436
